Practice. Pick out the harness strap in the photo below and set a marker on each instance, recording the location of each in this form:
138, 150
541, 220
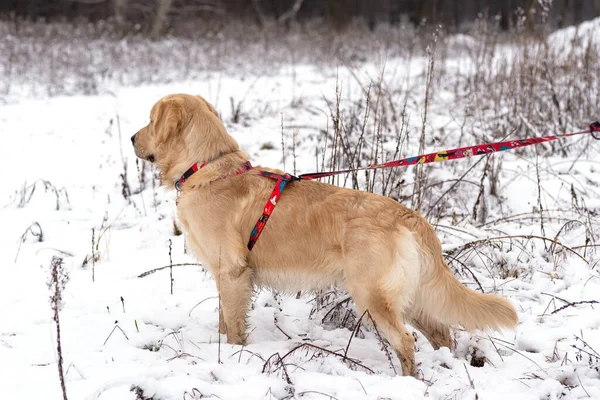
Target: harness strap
282, 180
194, 168
186, 175
271, 203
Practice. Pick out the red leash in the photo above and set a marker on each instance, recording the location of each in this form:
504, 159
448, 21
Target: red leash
462, 152
469, 151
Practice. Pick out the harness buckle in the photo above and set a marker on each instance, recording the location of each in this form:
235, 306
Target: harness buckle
595, 130
292, 178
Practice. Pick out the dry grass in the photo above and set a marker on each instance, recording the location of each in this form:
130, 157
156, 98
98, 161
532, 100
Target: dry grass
57, 282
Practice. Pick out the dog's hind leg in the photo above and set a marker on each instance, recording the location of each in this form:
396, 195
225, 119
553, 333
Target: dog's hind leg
383, 281
388, 321
437, 333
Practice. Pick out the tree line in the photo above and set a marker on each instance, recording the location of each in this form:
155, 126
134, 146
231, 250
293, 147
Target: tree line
160, 16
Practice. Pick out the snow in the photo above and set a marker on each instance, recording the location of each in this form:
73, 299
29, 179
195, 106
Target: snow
166, 346
587, 32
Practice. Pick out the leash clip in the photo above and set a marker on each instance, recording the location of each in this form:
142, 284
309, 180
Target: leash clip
595, 130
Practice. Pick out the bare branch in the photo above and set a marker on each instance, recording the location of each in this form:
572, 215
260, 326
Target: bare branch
291, 13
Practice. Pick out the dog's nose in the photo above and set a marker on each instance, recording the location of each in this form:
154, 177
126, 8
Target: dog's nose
133, 139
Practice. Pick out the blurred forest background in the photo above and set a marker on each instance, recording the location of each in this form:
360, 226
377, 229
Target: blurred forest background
57, 47
181, 17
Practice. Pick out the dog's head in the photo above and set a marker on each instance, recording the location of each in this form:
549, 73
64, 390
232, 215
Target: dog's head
183, 130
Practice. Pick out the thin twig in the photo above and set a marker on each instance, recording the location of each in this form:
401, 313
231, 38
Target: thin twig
281, 330
301, 394
248, 351
581, 385
519, 353
469, 376
93, 255
587, 345
113, 330
171, 263
282, 365
39, 234
202, 301
496, 348
574, 304
468, 269
333, 353
528, 237
144, 274
347, 299
220, 312
383, 343
361, 385
354, 332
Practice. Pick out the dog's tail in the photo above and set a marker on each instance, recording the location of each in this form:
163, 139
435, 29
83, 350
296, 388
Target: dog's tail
442, 296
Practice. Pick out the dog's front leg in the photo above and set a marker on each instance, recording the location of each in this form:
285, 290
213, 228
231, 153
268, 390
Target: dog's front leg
235, 289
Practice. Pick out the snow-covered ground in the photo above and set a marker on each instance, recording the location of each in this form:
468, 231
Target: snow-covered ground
128, 337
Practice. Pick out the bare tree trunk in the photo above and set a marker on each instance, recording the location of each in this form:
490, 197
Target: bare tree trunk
262, 18
505, 8
339, 14
160, 19
435, 12
284, 18
120, 7
578, 17
457, 14
395, 12
531, 17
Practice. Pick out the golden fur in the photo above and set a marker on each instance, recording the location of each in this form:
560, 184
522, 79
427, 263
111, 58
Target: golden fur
387, 256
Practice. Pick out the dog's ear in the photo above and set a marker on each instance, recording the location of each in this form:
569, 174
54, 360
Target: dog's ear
209, 106
169, 119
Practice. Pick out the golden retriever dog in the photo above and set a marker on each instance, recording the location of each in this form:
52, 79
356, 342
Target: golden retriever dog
387, 256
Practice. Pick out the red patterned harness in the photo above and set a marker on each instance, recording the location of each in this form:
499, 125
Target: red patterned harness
282, 180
